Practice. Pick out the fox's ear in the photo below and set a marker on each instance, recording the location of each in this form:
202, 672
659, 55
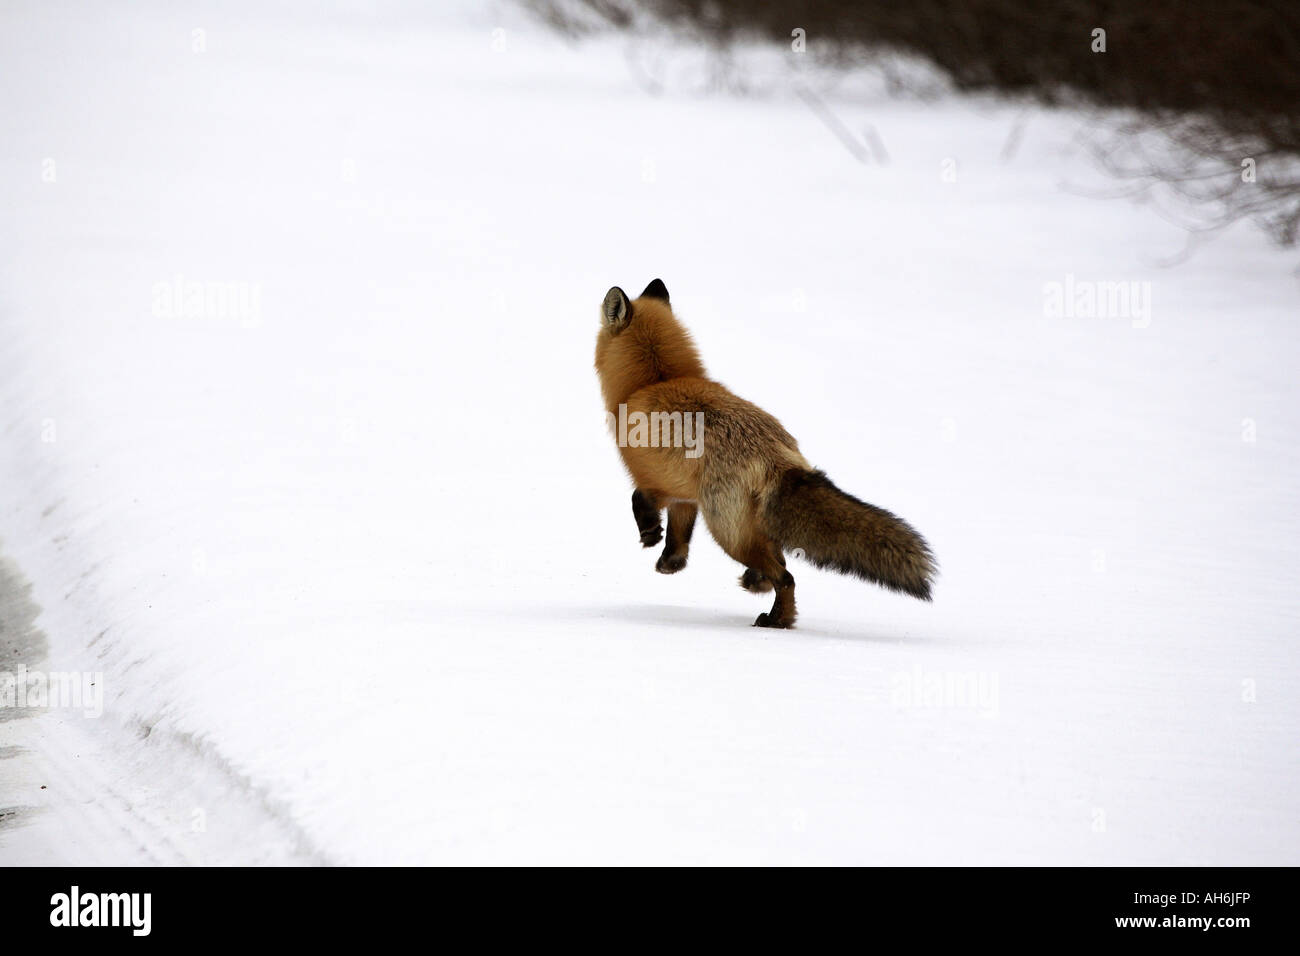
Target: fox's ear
656, 290
616, 310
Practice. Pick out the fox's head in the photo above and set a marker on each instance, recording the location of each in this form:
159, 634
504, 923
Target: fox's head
640, 343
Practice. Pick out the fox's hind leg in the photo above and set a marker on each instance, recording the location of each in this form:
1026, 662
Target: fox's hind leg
645, 509
732, 517
766, 560
681, 522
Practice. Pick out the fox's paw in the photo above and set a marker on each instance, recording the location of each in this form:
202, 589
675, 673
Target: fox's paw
652, 536
755, 581
767, 620
670, 563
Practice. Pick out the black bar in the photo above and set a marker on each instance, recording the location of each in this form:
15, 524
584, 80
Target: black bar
629, 907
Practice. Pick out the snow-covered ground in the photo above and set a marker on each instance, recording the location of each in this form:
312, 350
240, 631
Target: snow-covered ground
353, 552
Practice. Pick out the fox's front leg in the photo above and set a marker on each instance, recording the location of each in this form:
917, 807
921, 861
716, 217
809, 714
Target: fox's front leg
645, 509
681, 522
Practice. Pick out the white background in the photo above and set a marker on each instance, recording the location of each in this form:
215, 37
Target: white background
361, 574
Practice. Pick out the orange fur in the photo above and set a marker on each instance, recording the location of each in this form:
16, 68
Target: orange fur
758, 494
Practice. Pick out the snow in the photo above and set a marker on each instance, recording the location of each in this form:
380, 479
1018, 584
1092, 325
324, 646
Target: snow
358, 565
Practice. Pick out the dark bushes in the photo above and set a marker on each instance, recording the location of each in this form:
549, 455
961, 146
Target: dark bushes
1219, 77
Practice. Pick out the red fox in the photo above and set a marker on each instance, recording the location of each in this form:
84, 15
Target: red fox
759, 496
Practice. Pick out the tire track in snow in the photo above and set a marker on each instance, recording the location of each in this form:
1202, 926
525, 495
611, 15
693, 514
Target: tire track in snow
81, 792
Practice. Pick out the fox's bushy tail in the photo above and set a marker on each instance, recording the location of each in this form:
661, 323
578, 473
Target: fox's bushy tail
835, 530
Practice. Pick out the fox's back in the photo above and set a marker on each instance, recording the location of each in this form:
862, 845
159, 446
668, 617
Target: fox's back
736, 438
